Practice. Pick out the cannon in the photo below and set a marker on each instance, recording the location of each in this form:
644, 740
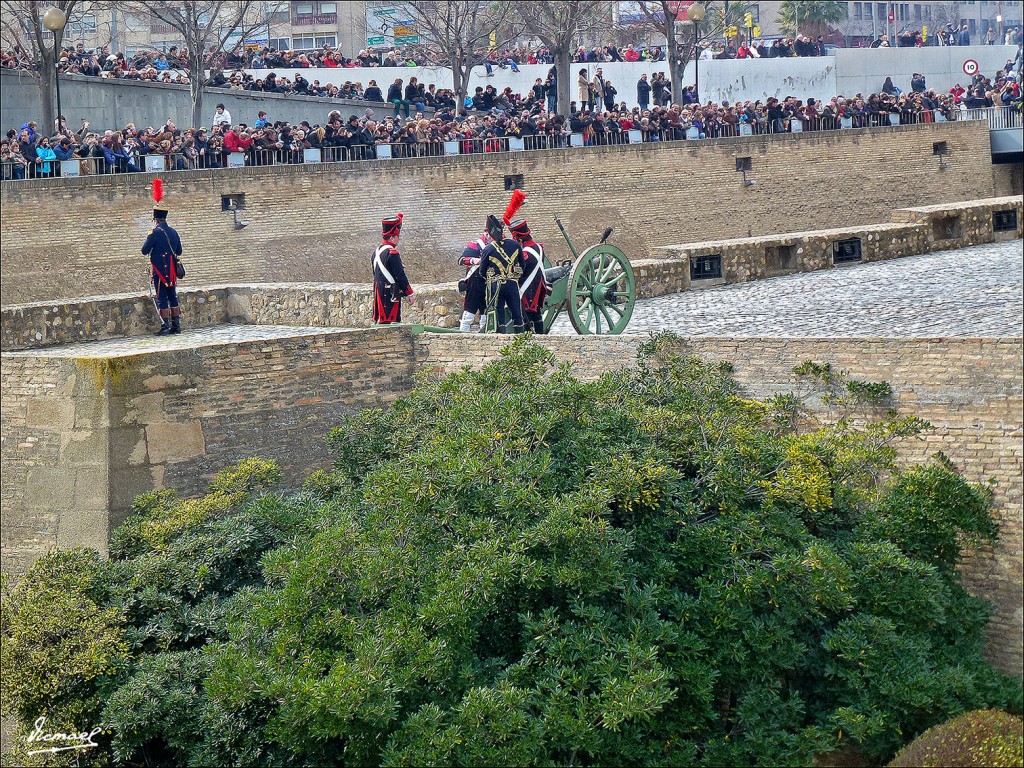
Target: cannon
597, 288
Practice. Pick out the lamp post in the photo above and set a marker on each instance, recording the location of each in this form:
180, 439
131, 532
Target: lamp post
696, 14
55, 20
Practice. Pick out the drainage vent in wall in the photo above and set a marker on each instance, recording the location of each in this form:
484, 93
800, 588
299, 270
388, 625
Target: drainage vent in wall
706, 267
1004, 221
947, 228
846, 251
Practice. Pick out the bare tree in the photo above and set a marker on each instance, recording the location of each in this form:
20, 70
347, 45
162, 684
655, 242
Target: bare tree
680, 48
206, 27
458, 28
22, 22
559, 26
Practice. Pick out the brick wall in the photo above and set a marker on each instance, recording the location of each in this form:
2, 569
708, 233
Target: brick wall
971, 390
74, 237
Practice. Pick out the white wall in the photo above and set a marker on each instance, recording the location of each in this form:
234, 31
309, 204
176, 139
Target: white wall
849, 71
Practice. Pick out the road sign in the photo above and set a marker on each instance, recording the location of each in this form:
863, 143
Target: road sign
732, 31
675, 7
756, 32
970, 67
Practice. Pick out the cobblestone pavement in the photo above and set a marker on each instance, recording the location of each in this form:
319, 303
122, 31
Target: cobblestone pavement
970, 292
189, 338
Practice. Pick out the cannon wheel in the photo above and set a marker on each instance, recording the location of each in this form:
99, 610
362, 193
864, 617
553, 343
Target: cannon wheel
602, 291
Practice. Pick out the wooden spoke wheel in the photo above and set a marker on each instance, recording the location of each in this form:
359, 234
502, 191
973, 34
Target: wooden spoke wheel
602, 291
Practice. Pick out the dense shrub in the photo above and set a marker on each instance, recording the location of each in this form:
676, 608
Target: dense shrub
512, 567
981, 739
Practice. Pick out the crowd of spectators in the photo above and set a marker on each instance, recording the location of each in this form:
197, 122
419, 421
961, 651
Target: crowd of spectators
485, 123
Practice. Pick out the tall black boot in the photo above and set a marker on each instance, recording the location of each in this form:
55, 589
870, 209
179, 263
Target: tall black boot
518, 329
176, 324
165, 327
538, 327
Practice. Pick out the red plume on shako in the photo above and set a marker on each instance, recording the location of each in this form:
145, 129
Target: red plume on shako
159, 207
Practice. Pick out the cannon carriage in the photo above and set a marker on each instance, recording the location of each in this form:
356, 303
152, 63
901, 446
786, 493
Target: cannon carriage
596, 288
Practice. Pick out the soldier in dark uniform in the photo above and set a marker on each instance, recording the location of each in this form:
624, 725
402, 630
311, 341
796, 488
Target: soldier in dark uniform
163, 246
474, 305
389, 281
502, 265
532, 287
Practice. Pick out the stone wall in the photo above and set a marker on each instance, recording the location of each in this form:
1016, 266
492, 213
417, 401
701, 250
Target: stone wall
53, 435
82, 436
75, 237
971, 390
1008, 179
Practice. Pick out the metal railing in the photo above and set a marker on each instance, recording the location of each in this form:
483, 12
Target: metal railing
997, 117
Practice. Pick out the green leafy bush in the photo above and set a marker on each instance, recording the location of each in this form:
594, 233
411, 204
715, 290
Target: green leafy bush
980, 739
512, 566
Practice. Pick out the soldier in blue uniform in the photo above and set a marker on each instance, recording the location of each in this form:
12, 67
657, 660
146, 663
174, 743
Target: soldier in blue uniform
501, 265
163, 246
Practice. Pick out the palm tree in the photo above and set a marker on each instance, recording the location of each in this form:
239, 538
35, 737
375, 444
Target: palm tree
809, 17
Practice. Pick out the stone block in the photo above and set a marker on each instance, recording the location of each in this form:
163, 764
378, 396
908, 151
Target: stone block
83, 527
83, 447
49, 488
50, 413
171, 442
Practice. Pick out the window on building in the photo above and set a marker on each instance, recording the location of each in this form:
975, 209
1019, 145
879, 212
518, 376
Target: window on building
972, 26
82, 24
280, 43
133, 23
858, 11
311, 42
277, 12
917, 11
309, 14
869, 11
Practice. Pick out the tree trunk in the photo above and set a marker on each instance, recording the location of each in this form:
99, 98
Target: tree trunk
563, 66
675, 63
47, 72
196, 87
460, 78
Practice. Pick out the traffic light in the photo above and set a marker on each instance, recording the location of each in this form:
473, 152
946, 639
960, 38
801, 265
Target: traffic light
748, 20
924, 32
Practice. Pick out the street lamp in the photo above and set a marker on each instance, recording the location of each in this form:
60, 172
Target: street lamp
696, 14
55, 20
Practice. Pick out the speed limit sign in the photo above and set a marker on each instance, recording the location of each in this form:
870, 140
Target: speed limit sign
970, 67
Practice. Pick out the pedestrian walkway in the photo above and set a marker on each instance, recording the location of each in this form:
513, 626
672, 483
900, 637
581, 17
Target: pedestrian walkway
970, 292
